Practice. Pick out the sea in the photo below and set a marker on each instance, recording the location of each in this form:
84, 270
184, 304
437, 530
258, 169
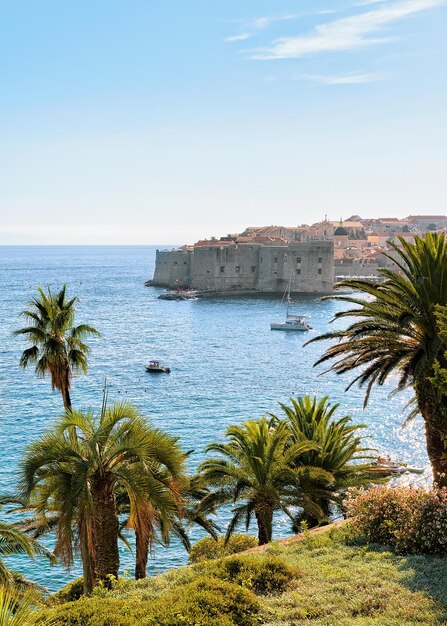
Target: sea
227, 367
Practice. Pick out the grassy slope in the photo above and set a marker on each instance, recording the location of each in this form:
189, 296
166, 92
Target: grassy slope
340, 584
348, 584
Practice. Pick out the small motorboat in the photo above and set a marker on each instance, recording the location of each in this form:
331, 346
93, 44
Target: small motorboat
388, 466
156, 368
179, 294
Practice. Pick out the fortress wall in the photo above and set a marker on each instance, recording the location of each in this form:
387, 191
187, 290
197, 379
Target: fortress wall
316, 265
309, 265
356, 269
172, 266
272, 276
257, 267
225, 267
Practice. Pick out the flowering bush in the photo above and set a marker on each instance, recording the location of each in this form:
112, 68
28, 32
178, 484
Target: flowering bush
411, 520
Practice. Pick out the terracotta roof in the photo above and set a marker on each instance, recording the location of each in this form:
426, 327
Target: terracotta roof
426, 217
213, 242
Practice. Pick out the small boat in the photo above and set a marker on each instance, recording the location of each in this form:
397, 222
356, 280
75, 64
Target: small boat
388, 466
155, 368
292, 322
179, 294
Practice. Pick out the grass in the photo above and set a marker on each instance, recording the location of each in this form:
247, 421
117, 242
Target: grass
344, 584
337, 581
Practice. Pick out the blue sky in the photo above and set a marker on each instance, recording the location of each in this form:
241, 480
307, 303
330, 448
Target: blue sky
167, 121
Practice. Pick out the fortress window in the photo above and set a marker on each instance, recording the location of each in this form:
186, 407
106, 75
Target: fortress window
298, 271
184, 262
253, 268
298, 259
320, 271
275, 259
275, 273
238, 269
320, 259
175, 262
222, 269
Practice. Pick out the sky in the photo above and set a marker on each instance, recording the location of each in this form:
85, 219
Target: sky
167, 121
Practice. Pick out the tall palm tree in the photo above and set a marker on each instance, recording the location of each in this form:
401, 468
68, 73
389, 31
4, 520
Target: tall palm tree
58, 347
253, 471
395, 331
75, 472
339, 451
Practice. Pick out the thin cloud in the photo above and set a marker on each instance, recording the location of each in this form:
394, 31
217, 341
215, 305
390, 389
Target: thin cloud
364, 3
241, 37
346, 33
260, 23
264, 22
355, 78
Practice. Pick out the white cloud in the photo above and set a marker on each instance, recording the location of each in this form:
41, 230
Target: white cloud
264, 22
241, 37
346, 33
363, 3
260, 23
354, 78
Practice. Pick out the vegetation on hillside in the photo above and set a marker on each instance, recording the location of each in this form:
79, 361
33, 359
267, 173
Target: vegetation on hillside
333, 579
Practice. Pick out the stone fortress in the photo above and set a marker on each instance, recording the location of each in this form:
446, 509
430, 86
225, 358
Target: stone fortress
248, 265
265, 259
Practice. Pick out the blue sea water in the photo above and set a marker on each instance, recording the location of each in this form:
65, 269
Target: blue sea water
227, 366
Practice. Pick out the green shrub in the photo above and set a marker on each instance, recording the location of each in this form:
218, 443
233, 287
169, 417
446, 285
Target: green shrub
72, 591
264, 576
411, 520
204, 602
209, 548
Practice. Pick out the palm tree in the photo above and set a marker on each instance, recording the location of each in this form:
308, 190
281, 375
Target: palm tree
18, 610
74, 473
339, 451
396, 332
58, 347
13, 540
253, 471
175, 523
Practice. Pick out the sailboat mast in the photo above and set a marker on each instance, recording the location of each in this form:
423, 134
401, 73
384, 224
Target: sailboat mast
288, 294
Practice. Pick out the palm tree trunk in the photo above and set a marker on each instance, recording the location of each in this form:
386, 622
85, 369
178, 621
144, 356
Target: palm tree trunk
104, 528
436, 436
141, 554
86, 557
433, 408
264, 518
66, 390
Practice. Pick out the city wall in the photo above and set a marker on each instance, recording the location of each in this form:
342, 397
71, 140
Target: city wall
249, 267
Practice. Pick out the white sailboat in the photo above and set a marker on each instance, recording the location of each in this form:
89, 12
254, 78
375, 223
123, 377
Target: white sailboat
292, 322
